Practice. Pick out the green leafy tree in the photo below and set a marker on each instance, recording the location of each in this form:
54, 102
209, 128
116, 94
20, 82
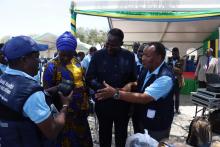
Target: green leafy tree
91, 36
81, 34
101, 38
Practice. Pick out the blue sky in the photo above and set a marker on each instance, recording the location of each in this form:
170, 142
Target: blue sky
22, 17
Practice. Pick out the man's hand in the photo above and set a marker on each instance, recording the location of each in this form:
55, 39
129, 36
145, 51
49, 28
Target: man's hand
130, 87
106, 92
196, 77
52, 126
66, 99
177, 70
52, 90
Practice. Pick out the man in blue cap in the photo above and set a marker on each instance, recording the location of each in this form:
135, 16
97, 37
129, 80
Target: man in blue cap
25, 114
66, 67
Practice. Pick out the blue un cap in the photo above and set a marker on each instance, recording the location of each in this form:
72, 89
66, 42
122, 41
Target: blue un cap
20, 46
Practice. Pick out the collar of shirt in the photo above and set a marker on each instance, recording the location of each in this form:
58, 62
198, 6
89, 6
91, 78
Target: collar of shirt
117, 52
3, 67
18, 72
156, 71
88, 57
139, 63
174, 62
148, 75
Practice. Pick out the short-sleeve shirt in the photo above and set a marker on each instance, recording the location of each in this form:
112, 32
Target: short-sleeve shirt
35, 107
85, 62
160, 87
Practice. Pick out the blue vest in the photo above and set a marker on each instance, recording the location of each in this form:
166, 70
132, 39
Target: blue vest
15, 129
163, 106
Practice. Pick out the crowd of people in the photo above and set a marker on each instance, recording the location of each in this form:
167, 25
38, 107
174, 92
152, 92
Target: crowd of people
138, 85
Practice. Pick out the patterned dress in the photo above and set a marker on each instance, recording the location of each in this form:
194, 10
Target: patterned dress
76, 132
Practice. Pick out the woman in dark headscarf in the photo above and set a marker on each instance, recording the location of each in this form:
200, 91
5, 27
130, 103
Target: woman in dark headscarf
66, 67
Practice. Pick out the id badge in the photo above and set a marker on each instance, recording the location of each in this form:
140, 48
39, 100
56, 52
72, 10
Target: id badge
151, 113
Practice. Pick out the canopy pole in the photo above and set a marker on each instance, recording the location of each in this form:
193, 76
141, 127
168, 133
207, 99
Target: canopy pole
73, 19
218, 55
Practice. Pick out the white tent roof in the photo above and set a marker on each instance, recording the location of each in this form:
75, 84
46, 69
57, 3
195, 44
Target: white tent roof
184, 35
166, 32
147, 5
181, 23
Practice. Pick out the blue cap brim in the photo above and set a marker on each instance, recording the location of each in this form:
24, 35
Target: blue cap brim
41, 47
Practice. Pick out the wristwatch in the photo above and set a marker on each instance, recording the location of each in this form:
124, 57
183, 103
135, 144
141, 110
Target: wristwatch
116, 96
65, 106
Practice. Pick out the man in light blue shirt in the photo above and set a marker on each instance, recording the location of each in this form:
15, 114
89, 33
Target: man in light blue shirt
154, 96
85, 62
160, 87
37, 101
135, 47
25, 112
